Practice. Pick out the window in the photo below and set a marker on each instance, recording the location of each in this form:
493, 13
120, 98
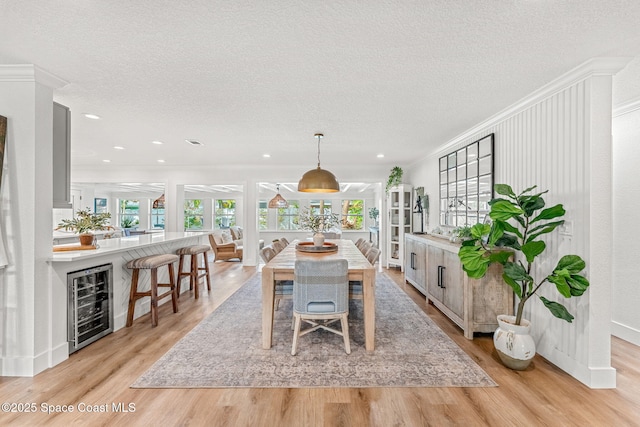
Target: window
320, 207
287, 218
157, 217
263, 215
157, 212
225, 213
352, 215
128, 213
193, 214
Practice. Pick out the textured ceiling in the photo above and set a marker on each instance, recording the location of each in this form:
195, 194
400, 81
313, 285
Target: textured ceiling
248, 77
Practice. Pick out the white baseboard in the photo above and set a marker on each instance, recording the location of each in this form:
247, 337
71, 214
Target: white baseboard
59, 354
592, 377
625, 332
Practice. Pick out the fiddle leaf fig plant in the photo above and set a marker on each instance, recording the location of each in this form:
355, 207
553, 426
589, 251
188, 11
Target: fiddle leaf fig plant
518, 221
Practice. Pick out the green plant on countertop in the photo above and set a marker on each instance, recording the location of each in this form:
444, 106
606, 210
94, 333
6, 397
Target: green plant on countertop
503, 240
128, 222
395, 177
85, 222
463, 233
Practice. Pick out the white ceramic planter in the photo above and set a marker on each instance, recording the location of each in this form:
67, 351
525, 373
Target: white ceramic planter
513, 343
318, 239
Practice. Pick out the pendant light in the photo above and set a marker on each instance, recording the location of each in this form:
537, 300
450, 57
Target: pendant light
278, 201
159, 202
318, 180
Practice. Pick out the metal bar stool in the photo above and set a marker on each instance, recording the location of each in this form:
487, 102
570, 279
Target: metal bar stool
152, 262
193, 273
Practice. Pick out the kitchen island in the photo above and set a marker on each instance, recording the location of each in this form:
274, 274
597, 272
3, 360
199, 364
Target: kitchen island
117, 253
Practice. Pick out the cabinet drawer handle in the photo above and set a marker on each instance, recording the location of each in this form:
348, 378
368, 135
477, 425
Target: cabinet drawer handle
441, 276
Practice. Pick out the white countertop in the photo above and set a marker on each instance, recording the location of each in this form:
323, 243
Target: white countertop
110, 246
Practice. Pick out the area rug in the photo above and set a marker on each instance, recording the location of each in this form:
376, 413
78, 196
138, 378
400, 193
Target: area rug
225, 350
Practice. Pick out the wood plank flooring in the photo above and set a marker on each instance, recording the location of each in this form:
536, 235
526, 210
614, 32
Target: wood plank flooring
98, 377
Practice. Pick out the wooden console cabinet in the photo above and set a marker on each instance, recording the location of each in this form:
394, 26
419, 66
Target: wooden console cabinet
415, 262
472, 304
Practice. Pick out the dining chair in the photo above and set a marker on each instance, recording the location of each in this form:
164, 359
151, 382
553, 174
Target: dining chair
320, 298
359, 242
267, 253
373, 255
278, 246
285, 241
355, 286
364, 248
283, 288
330, 235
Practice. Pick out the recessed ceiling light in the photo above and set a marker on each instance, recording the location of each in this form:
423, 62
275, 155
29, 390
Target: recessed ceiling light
107, 161
266, 156
157, 142
380, 156
194, 142
117, 147
160, 161
92, 116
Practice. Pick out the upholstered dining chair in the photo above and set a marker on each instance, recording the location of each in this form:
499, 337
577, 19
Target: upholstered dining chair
267, 253
283, 288
355, 286
373, 255
320, 298
364, 248
331, 235
278, 246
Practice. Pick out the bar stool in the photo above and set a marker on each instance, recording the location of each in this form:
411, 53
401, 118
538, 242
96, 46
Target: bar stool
152, 262
193, 273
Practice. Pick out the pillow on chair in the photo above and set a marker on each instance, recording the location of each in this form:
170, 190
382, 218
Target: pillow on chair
226, 238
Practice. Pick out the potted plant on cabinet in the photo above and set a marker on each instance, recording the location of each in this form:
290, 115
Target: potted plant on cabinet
395, 177
84, 223
516, 246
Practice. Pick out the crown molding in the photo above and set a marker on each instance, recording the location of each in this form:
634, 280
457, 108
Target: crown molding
30, 73
626, 107
590, 68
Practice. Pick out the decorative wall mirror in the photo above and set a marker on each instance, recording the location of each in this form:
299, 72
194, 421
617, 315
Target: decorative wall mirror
466, 183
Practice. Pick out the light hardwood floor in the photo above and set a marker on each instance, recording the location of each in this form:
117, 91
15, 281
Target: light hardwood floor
101, 373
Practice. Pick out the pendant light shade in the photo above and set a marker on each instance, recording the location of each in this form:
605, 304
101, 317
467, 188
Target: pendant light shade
318, 180
278, 201
159, 202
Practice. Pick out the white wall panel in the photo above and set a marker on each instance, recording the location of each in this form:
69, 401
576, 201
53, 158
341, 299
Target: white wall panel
626, 250
547, 141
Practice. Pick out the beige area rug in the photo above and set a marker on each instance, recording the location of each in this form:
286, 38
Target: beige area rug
224, 350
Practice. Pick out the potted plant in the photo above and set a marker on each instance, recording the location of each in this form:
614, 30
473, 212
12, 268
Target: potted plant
395, 177
317, 223
84, 223
461, 233
373, 214
516, 245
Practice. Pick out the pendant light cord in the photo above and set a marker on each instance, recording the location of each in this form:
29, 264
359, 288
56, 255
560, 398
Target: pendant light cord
319, 136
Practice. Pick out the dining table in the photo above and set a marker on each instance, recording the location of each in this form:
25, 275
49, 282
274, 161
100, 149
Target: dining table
281, 267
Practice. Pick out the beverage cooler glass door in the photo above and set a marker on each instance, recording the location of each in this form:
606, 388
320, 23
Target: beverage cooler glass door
90, 305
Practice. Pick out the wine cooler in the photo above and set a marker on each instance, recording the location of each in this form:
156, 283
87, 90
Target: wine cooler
90, 305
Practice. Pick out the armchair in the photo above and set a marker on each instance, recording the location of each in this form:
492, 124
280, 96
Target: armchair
224, 248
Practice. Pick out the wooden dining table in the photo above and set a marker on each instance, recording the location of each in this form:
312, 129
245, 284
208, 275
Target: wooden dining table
281, 267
